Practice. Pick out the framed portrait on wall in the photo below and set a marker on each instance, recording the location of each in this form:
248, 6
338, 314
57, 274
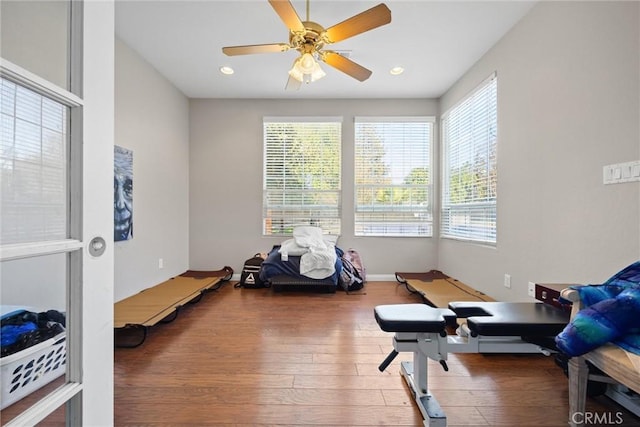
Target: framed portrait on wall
122, 194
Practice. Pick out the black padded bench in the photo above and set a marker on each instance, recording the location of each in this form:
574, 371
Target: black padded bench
491, 327
511, 318
413, 318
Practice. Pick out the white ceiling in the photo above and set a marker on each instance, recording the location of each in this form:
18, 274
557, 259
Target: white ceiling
435, 41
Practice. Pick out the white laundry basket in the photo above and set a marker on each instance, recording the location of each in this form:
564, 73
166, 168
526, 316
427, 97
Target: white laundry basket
26, 371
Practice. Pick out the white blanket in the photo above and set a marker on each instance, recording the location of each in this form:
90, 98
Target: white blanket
317, 257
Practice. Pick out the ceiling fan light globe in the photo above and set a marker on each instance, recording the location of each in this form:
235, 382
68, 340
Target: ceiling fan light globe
317, 73
296, 73
307, 63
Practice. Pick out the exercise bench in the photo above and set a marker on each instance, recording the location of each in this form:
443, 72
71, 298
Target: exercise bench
491, 327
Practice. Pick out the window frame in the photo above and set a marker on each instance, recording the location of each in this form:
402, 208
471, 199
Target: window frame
430, 122
483, 211
330, 222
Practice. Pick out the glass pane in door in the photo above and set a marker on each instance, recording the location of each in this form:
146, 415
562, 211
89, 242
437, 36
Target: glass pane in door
35, 36
33, 162
34, 340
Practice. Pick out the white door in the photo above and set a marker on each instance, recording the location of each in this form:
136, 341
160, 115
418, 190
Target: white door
56, 244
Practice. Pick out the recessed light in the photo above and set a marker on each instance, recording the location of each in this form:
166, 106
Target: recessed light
226, 70
396, 71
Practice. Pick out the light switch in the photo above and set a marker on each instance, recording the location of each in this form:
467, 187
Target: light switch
617, 172
607, 175
621, 173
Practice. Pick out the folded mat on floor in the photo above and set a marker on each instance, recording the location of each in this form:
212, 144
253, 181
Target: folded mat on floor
438, 289
153, 304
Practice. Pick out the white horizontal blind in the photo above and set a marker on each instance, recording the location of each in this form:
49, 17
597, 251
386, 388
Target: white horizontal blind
469, 133
393, 176
302, 158
33, 158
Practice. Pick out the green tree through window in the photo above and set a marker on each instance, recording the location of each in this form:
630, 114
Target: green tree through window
392, 176
302, 174
469, 182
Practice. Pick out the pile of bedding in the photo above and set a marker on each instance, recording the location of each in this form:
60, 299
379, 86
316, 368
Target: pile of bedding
317, 256
308, 254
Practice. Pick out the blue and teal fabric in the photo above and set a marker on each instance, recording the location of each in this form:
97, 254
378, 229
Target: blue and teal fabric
611, 313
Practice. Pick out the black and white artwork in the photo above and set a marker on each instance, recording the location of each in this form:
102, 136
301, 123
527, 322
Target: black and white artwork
122, 194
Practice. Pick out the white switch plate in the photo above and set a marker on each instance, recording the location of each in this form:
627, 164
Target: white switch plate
531, 290
507, 280
160, 263
621, 172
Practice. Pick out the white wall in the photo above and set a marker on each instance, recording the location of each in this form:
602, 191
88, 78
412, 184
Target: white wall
226, 181
568, 104
152, 119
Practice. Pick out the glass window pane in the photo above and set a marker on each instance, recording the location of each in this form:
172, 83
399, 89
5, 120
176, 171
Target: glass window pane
34, 346
469, 175
392, 176
33, 158
302, 175
56, 418
34, 35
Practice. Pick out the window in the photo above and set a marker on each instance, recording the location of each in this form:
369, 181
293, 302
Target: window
301, 185
469, 139
33, 155
393, 176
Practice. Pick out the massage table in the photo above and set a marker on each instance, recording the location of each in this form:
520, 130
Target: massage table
490, 327
161, 303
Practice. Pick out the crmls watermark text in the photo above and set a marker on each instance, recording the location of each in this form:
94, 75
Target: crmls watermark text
595, 418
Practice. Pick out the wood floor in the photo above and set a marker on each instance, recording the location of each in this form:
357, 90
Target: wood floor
244, 357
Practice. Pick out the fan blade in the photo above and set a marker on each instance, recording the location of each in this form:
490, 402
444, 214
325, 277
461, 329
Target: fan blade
368, 20
345, 65
293, 84
288, 14
256, 48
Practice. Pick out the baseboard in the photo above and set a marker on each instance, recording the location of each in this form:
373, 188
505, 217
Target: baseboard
381, 277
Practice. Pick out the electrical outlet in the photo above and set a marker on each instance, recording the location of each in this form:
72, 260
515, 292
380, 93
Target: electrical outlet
507, 280
531, 290
160, 263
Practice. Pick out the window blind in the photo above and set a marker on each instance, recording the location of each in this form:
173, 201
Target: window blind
302, 158
469, 133
393, 176
33, 158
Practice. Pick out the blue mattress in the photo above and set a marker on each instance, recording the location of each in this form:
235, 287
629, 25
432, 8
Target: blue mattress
273, 266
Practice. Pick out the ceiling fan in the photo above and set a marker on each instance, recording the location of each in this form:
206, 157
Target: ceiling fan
309, 38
